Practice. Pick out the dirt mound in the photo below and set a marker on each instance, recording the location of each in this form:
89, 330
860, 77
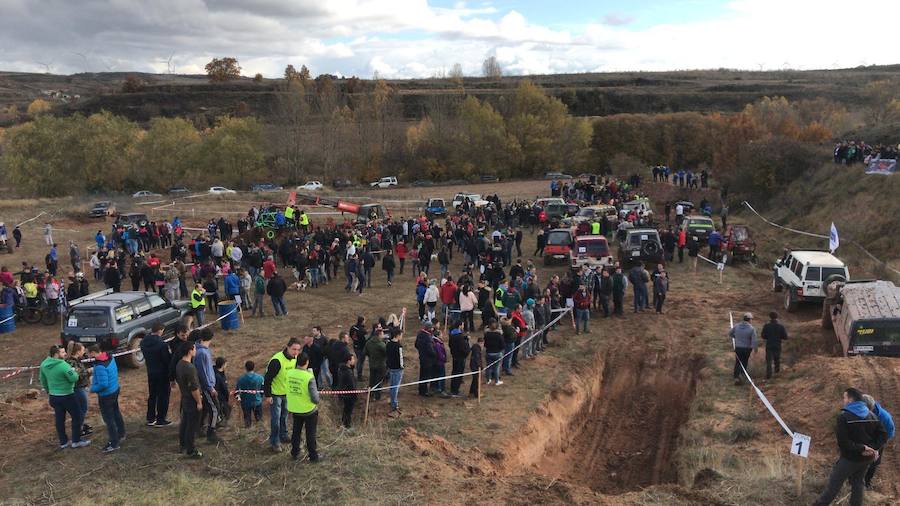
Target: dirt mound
615, 428
448, 454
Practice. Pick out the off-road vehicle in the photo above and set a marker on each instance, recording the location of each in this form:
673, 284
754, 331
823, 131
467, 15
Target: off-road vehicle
114, 320
641, 245
803, 274
102, 209
128, 219
698, 228
865, 316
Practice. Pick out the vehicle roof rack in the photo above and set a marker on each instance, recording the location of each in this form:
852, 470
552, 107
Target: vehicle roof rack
90, 297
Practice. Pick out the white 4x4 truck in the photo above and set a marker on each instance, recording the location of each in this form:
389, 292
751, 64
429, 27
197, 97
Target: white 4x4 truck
385, 182
804, 274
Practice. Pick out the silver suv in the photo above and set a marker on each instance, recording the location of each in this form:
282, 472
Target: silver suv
804, 274
115, 319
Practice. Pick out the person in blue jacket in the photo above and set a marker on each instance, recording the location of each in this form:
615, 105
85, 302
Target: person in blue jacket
233, 287
105, 384
888, 421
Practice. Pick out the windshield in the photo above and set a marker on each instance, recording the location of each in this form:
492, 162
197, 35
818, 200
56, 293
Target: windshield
586, 213
437, 203
740, 234
559, 238
877, 332
593, 248
637, 238
88, 319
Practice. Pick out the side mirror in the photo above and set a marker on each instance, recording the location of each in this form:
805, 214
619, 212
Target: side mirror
779, 263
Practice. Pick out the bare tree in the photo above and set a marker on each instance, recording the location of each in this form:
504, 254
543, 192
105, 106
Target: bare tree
491, 68
456, 72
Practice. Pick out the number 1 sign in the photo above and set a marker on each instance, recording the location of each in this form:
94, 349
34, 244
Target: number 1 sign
800, 445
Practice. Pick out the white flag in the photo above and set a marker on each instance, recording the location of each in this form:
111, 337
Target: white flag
833, 240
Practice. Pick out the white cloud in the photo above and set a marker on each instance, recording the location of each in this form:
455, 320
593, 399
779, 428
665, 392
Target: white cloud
410, 38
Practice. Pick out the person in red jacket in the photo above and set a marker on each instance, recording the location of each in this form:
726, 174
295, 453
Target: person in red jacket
401, 254
682, 242
269, 268
448, 293
582, 301
517, 321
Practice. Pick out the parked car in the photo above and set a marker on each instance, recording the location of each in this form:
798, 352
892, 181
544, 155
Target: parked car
804, 274
144, 194
590, 250
642, 205
541, 203
556, 175
489, 178
554, 213
865, 316
219, 190
435, 207
559, 245
311, 186
641, 245
179, 190
385, 182
475, 198
117, 320
102, 209
265, 187
128, 219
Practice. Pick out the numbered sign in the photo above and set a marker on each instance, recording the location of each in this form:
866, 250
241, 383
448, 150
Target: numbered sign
720, 266
800, 445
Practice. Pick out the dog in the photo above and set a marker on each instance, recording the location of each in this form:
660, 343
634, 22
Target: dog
300, 284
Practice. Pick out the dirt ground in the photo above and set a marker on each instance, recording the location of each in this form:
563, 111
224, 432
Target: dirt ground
641, 410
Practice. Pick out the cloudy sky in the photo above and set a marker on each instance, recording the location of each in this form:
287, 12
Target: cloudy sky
422, 38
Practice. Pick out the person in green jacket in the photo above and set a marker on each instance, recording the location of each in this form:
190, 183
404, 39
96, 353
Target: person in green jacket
58, 378
376, 350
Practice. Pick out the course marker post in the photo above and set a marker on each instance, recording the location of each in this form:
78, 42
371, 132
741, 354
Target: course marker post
479, 385
366, 414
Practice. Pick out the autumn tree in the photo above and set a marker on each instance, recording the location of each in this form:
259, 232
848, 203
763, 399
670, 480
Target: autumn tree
290, 73
258, 78
132, 84
882, 97
223, 69
38, 107
166, 154
490, 68
233, 151
456, 74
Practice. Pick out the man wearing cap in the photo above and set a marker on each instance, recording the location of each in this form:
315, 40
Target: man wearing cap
743, 335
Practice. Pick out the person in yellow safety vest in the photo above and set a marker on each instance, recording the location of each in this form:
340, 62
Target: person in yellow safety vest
302, 403
289, 215
198, 302
275, 390
304, 219
595, 228
498, 299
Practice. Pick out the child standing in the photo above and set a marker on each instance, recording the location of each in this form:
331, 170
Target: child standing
222, 392
251, 403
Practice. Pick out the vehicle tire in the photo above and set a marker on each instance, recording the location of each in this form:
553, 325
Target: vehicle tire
776, 285
832, 279
134, 360
33, 314
547, 260
650, 249
50, 317
826, 316
790, 302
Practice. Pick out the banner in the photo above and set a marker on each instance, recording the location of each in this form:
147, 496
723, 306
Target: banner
885, 167
833, 240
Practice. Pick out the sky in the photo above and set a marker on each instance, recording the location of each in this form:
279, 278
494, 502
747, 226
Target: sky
425, 38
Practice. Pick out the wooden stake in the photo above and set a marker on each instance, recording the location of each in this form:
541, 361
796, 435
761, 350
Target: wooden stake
721, 275
366, 414
480, 371
798, 472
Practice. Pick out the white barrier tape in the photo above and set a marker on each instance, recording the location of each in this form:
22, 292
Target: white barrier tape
31, 219
819, 236
7, 319
472, 373
759, 393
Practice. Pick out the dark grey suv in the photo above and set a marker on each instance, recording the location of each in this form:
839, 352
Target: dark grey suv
114, 319
641, 245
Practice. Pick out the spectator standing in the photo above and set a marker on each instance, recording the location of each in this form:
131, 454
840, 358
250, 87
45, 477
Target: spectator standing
302, 403
250, 386
394, 363
203, 361
275, 389
345, 381
223, 393
582, 301
157, 359
259, 292
888, 422
860, 436
191, 403
58, 379
459, 352
494, 346
427, 356
660, 290
376, 351
773, 333
475, 365
744, 337
74, 354
276, 289
105, 383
